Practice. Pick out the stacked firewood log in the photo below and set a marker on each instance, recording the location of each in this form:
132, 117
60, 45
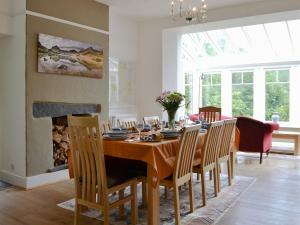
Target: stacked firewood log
61, 142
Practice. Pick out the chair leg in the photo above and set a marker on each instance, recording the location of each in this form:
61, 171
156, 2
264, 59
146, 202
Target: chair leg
176, 206
144, 194
77, 213
134, 211
215, 181
210, 175
121, 207
106, 212
219, 176
191, 190
203, 186
229, 172
260, 160
198, 177
166, 192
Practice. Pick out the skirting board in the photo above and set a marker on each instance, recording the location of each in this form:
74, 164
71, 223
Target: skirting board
34, 181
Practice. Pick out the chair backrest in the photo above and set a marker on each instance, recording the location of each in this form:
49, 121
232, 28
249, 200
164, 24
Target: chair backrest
88, 158
226, 139
210, 149
127, 123
106, 126
186, 153
151, 119
210, 113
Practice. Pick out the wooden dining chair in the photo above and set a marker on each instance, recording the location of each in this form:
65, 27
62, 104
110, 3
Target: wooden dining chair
106, 126
225, 148
93, 184
209, 154
127, 123
210, 113
151, 119
183, 171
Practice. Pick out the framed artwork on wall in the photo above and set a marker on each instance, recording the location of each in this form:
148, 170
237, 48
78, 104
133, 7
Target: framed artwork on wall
58, 55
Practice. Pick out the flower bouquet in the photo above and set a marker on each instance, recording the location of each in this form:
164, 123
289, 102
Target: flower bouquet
171, 101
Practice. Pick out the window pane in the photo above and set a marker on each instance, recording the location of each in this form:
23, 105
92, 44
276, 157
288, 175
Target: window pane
242, 96
237, 78
209, 49
216, 78
206, 79
283, 76
271, 76
211, 93
248, 77
188, 93
278, 96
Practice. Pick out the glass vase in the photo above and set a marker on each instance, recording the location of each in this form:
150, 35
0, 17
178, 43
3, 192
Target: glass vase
171, 118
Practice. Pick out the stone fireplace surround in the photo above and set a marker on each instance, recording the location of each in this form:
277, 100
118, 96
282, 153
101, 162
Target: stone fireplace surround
49, 110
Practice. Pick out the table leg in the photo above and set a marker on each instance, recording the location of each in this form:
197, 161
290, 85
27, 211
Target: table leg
153, 199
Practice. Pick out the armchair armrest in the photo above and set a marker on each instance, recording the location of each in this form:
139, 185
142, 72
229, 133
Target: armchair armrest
270, 127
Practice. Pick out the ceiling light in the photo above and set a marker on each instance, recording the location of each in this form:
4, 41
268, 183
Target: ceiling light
190, 13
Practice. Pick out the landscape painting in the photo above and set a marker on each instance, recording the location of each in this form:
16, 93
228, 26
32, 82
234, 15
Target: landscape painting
63, 56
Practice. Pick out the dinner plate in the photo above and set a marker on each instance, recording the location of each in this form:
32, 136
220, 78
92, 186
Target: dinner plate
107, 137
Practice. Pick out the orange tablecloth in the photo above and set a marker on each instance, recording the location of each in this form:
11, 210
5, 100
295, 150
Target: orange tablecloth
159, 155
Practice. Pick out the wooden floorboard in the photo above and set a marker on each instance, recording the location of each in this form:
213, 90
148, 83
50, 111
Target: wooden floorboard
273, 199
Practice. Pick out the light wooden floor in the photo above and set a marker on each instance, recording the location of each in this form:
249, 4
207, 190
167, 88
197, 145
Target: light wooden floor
273, 199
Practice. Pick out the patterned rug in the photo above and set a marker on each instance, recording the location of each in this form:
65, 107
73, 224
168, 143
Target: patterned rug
216, 206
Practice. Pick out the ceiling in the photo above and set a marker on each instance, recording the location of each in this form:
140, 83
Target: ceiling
147, 9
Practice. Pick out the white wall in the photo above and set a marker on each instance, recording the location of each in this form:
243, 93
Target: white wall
123, 49
12, 99
150, 67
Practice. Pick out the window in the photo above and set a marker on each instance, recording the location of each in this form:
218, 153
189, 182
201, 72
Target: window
188, 93
211, 89
242, 93
277, 93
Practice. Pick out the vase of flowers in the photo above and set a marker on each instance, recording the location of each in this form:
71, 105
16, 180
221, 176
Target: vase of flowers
171, 101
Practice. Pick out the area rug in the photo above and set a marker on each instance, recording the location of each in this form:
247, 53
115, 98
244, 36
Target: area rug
4, 185
216, 206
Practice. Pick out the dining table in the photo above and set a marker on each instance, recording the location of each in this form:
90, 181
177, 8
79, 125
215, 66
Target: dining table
159, 156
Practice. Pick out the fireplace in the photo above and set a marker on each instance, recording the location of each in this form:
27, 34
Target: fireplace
58, 112
61, 142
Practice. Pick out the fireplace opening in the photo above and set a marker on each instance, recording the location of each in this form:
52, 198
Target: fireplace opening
61, 142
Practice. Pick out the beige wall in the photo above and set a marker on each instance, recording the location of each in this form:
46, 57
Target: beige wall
61, 88
5, 17
85, 12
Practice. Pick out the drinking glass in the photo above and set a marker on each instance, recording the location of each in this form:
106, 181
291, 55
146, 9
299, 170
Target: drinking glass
139, 127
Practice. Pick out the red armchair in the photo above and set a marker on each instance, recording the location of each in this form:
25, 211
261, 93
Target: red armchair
255, 136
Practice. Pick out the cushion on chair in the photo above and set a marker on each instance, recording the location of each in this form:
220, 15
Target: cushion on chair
118, 177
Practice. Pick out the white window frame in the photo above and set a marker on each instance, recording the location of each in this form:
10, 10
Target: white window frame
259, 88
